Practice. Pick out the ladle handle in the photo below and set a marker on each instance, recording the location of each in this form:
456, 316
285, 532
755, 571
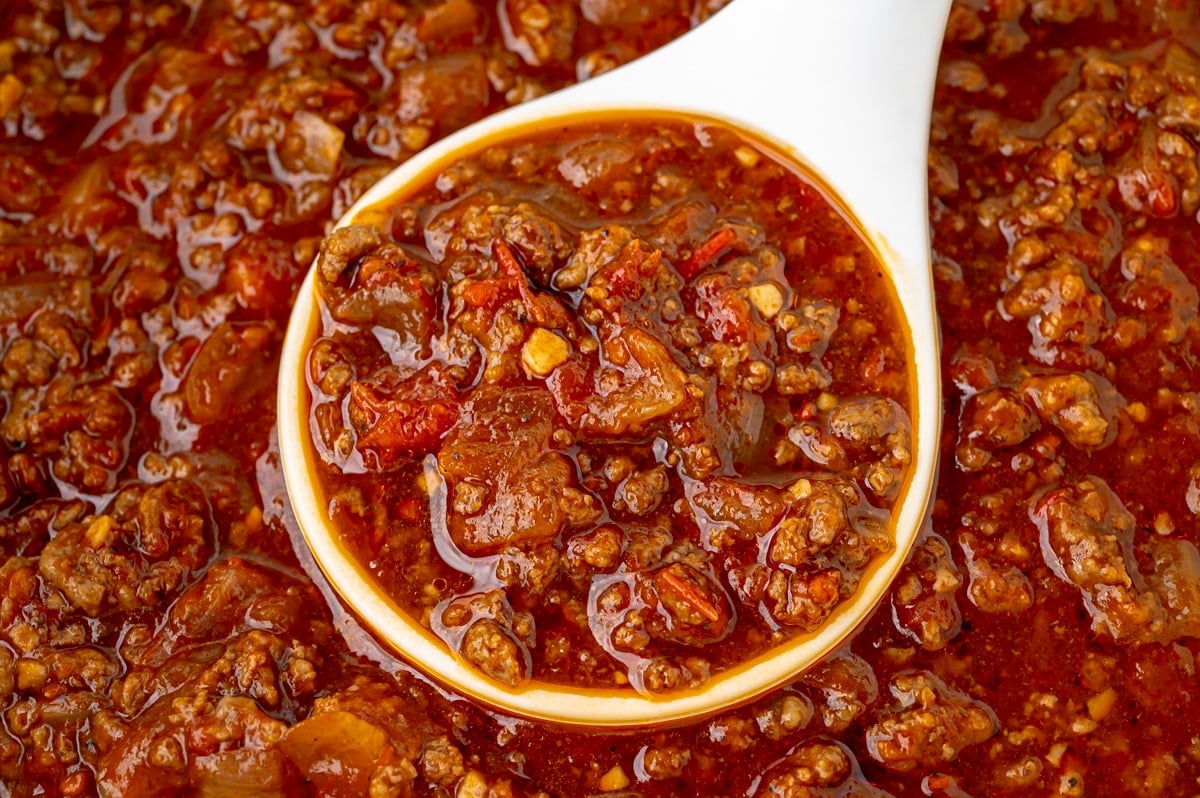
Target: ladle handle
847, 83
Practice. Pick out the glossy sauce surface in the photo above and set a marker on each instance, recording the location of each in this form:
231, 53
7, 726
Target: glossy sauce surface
622, 402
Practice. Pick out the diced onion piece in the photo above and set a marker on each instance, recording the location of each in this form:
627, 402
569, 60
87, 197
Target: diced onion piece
322, 143
336, 745
246, 771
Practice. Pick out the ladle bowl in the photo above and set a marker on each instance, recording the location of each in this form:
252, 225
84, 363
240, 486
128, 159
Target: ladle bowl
845, 89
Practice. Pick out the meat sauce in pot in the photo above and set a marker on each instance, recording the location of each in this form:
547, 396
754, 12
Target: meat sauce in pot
168, 172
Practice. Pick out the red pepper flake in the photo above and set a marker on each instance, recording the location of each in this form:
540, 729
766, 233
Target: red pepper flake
511, 267
688, 594
488, 293
703, 255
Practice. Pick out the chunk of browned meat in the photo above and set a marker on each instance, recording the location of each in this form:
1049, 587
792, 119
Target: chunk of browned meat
1067, 314
217, 744
642, 491
197, 712
868, 437
993, 419
489, 634
1158, 293
930, 724
846, 686
594, 250
744, 509
924, 601
363, 282
597, 550
82, 428
137, 554
620, 278
995, 586
816, 767
542, 243
816, 518
540, 31
1176, 579
233, 596
344, 247
490, 649
1087, 539
695, 609
804, 600
1081, 406
867, 420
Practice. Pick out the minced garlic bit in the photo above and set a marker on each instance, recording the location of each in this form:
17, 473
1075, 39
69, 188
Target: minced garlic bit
99, 530
614, 779
1055, 754
472, 785
11, 91
747, 156
543, 352
767, 298
801, 489
1101, 704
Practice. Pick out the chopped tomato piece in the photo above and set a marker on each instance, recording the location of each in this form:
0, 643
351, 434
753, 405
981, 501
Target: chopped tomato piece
403, 419
703, 255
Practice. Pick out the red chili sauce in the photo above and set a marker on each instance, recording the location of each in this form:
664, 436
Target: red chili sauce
621, 402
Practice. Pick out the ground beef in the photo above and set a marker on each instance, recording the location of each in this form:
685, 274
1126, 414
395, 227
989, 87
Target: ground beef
930, 724
169, 170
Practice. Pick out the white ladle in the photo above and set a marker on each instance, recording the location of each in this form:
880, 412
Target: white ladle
845, 86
